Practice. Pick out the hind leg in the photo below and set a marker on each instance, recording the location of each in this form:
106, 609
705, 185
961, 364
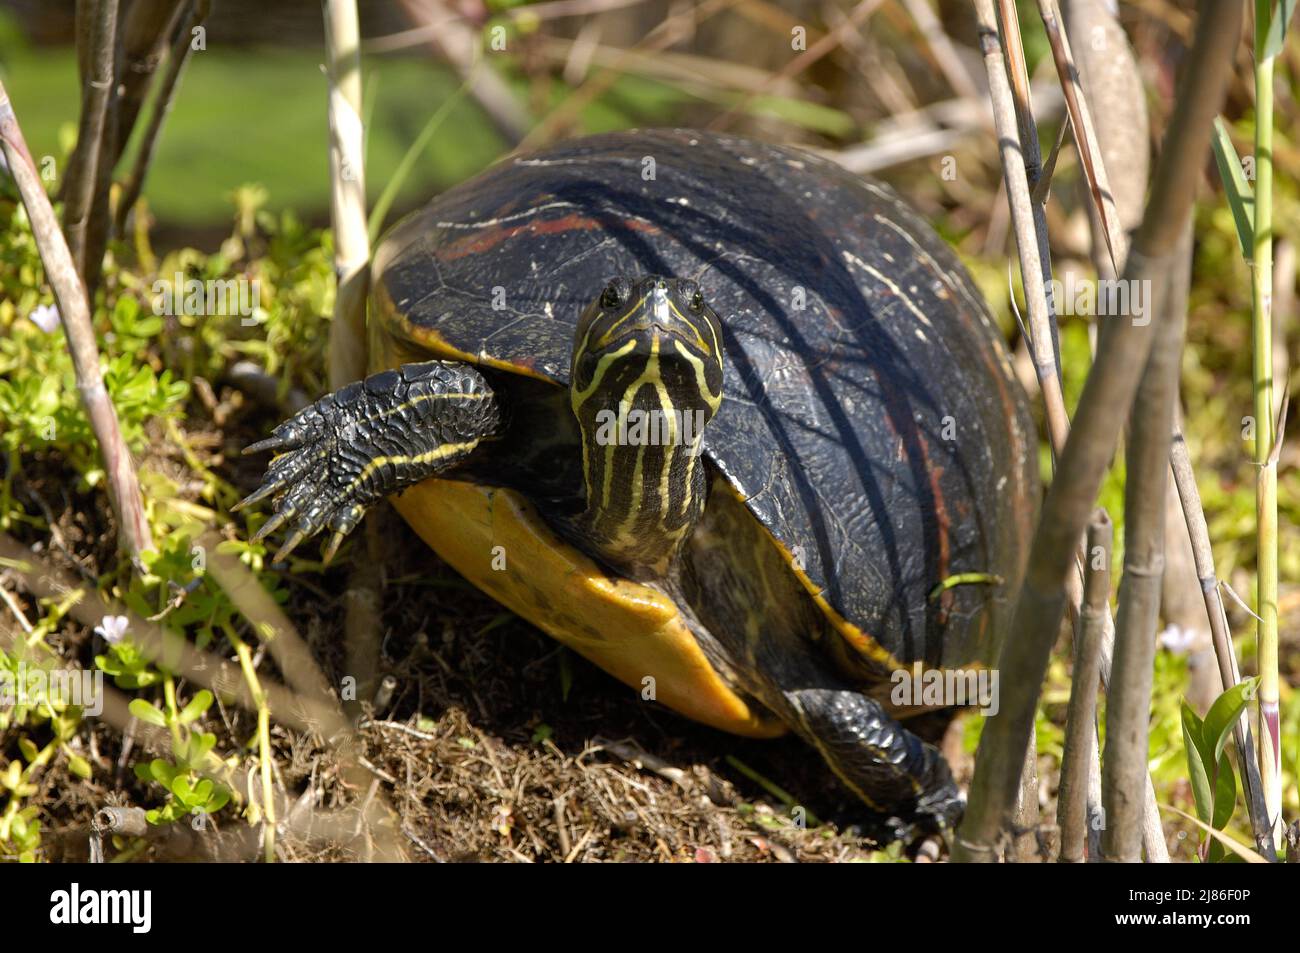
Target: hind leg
781, 649
897, 775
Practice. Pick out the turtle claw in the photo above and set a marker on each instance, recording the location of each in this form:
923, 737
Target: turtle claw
270, 526
290, 544
332, 547
300, 429
933, 817
270, 443
262, 492
315, 500
311, 478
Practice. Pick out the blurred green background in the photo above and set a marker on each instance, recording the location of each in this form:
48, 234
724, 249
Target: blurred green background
250, 112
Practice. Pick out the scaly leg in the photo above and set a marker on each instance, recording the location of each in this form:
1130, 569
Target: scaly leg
368, 440
896, 773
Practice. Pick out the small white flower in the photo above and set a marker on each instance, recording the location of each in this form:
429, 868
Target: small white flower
1178, 640
45, 317
112, 628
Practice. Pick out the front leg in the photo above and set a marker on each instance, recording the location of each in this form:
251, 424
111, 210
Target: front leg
368, 440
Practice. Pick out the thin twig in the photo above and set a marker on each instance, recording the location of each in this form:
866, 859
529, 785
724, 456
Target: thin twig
264, 754
930, 130
665, 34
1015, 145
1112, 88
1085, 134
61, 272
1242, 603
943, 52
459, 43
268, 620
1042, 187
347, 348
1266, 528
1128, 699
147, 25
176, 59
1229, 675
13, 606
96, 45
1081, 719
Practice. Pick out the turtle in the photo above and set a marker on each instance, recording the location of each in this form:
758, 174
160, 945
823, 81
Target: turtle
725, 419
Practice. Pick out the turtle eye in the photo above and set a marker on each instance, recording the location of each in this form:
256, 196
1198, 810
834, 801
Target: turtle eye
691, 292
610, 297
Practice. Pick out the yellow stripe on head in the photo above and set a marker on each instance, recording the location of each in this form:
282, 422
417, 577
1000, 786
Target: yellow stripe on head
644, 491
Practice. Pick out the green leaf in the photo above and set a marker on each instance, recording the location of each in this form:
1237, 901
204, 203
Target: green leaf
1225, 711
799, 112
28, 749
1241, 198
79, 766
199, 745
197, 706
1225, 794
162, 772
147, 712
1283, 10
1215, 852
1196, 763
219, 799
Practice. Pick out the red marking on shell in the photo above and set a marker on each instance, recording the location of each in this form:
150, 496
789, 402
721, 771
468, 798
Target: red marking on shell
490, 238
944, 524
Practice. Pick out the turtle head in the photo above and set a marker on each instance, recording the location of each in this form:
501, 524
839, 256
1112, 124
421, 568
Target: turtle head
646, 379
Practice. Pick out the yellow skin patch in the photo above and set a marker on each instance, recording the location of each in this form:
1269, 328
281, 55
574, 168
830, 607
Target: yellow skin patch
437, 453
628, 629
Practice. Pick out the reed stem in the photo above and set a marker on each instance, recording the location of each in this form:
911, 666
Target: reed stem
1270, 754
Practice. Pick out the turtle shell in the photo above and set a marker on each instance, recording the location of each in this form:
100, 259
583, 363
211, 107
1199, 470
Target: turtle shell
871, 420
